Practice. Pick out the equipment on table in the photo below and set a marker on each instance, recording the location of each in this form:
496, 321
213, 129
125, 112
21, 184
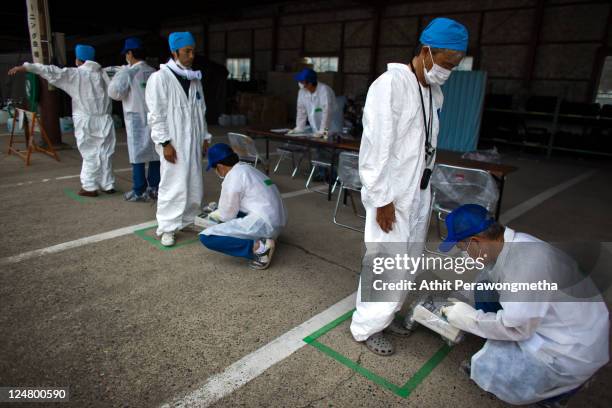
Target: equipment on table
427, 312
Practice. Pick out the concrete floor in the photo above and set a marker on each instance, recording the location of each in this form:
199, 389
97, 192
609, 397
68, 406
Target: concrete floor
123, 323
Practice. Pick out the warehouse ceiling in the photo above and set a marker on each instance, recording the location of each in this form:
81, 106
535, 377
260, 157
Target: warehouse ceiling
81, 18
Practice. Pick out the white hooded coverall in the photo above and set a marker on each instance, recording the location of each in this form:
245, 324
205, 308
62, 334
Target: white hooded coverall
91, 112
319, 109
391, 164
128, 85
535, 349
179, 118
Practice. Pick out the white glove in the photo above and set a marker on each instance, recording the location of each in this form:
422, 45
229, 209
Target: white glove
460, 315
215, 216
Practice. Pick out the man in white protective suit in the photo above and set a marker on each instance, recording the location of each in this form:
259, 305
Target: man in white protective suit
128, 85
541, 346
91, 112
251, 212
175, 100
316, 106
400, 130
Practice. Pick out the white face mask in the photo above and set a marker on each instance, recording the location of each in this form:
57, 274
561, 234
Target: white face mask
301, 85
219, 175
467, 254
436, 75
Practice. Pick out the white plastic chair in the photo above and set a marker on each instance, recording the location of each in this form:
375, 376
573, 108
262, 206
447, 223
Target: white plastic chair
454, 186
348, 175
246, 149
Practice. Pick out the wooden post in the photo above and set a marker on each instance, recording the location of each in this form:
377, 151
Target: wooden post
42, 52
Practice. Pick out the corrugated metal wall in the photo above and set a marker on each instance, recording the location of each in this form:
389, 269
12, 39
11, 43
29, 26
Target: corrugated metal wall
462, 111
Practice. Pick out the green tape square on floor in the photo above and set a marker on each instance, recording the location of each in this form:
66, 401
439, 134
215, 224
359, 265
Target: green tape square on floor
142, 233
402, 391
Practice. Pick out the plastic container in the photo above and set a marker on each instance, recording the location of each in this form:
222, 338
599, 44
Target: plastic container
225, 120
66, 124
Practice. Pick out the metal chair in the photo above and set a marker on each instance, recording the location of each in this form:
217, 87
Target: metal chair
245, 148
295, 152
348, 175
316, 164
454, 186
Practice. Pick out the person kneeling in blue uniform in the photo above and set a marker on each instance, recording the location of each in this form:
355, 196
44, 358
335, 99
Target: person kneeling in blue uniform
251, 212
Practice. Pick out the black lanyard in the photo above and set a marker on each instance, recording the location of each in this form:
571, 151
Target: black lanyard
428, 125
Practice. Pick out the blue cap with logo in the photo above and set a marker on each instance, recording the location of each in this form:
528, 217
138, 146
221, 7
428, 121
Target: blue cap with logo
464, 222
217, 153
306, 75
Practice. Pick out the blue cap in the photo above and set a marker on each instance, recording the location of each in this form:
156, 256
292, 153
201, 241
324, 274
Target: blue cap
464, 222
443, 32
180, 40
217, 153
306, 75
85, 52
132, 43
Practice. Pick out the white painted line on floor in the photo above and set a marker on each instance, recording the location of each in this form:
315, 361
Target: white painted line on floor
254, 364
304, 191
27, 183
102, 237
76, 243
536, 200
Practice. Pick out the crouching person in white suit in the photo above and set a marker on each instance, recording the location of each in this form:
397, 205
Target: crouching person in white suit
251, 212
539, 349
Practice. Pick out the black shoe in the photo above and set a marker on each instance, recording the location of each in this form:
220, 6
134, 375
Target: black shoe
84, 193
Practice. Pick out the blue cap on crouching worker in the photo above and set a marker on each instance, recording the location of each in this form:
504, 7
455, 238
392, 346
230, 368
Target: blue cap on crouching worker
306, 75
217, 153
131, 43
445, 33
85, 52
180, 39
464, 222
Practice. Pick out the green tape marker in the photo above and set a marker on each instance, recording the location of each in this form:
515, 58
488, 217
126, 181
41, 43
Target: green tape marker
356, 367
401, 391
142, 233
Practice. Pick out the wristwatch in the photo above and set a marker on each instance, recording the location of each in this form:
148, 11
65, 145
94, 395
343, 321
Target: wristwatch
164, 144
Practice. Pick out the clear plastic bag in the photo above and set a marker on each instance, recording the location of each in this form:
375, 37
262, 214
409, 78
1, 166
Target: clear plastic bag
427, 311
